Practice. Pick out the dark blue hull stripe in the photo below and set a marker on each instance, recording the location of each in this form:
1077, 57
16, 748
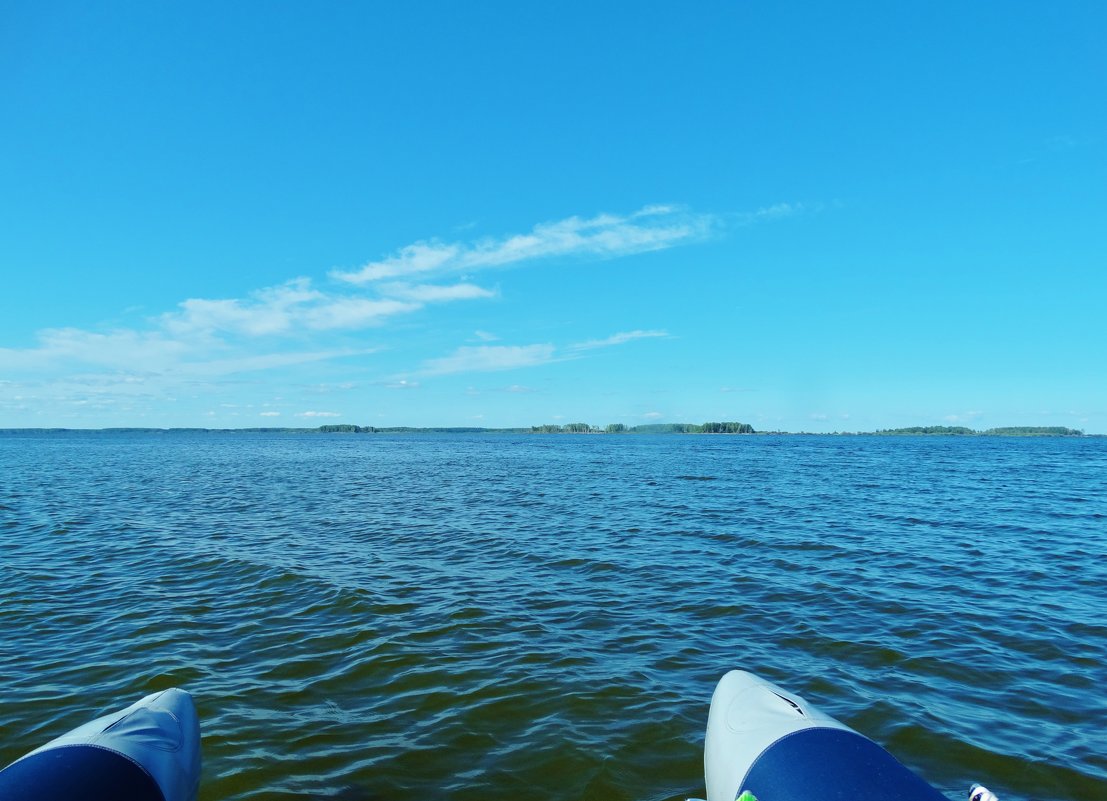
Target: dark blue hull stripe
833, 765
77, 773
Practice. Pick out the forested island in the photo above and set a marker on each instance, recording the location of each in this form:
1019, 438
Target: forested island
580, 428
962, 431
652, 428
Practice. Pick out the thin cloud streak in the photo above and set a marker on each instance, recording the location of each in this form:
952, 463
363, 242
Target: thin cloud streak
619, 339
215, 368
208, 330
605, 236
435, 293
778, 211
150, 353
489, 358
287, 308
121, 349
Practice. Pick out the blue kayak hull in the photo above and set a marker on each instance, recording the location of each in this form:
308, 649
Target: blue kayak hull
772, 743
149, 751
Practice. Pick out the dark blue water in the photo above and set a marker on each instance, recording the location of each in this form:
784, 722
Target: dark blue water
494, 617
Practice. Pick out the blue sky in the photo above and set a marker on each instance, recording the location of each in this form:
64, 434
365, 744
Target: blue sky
816, 216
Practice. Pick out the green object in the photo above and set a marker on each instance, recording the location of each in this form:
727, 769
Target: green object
746, 796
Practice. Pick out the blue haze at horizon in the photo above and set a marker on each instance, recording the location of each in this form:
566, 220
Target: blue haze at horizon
483, 617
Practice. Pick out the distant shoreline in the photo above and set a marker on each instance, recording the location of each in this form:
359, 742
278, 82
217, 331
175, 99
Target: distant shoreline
729, 429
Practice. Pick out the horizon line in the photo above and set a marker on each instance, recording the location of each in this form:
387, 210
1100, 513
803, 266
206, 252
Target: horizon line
560, 428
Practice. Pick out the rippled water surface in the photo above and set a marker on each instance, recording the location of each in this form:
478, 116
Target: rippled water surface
499, 617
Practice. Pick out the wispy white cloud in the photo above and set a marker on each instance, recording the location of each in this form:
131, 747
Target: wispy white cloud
204, 336
218, 331
328, 388
488, 358
605, 235
434, 293
777, 211
207, 342
355, 312
267, 311
618, 339
652, 415
290, 307
214, 336
420, 257
122, 349
249, 363
143, 382
295, 306
149, 361
318, 414
270, 414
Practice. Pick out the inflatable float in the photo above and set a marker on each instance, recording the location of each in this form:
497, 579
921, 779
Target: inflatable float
766, 742
149, 751
762, 743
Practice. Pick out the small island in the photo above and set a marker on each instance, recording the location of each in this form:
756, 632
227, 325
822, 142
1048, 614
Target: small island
652, 428
962, 431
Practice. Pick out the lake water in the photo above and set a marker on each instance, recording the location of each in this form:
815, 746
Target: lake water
495, 617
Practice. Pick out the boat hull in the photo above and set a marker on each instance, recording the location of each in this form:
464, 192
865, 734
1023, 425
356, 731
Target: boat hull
772, 743
149, 751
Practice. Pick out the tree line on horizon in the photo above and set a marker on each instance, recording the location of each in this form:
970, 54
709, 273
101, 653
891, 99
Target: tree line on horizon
702, 428
651, 428
567, 428
1005, 431
578, 428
